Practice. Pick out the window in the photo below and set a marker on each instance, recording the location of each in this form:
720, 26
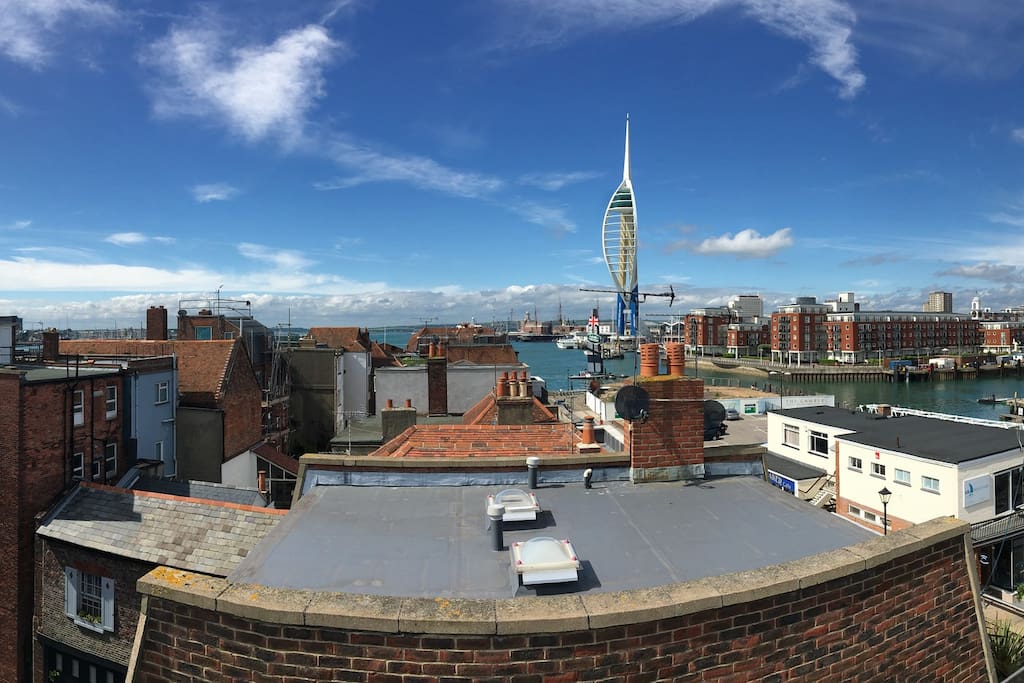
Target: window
97, 468
791, 436
855, 463
902, 476
110, 457
854, 510
162, 392
89, 599
878, 470
77, 465
78, 408
111, 401
1008, 489
819, 444
930, 484
204, 333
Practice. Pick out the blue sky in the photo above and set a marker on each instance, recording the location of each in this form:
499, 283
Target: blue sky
366, 163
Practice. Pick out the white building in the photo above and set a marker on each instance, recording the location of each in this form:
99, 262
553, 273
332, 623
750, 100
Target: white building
931, 467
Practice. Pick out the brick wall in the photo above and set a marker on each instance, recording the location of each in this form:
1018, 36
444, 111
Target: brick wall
910, 615
242, 404
669, 445
11, 416
437, 386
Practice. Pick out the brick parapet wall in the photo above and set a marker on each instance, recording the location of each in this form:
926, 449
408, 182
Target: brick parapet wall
902, 607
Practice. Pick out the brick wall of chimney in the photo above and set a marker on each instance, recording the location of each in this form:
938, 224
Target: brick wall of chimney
669, 445
156, 323
437, 385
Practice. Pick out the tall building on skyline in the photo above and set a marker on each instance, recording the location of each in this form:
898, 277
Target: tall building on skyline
939, 302
618, 238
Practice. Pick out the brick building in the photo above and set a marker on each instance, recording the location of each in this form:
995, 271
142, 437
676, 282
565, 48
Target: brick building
58, 425
1002, 336
705, 330
745, 339
94, 547
855, 337
798, 331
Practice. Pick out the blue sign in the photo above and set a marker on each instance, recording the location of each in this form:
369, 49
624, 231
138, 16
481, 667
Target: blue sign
784, 483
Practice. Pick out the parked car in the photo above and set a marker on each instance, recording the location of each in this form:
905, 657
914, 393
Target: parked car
732, 414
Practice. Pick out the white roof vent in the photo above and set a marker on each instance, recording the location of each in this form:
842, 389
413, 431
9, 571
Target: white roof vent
519, 505
545, 560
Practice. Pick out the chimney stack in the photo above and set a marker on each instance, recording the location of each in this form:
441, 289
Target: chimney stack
650, 360
156, 323
394, 421
676, 353
51, 345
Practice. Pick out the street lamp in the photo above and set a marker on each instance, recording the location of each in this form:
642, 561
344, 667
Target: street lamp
782, 385
885, 494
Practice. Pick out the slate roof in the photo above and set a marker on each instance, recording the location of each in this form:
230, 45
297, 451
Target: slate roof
201, 489
185, 533
348, 338
202, 365
469, 441
942, 440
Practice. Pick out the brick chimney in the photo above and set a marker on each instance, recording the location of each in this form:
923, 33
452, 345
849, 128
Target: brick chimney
437, 384
669, 444
394, 421
51, 345
156, 323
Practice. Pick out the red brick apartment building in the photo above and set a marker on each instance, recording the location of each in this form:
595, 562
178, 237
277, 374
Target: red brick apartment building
58, 424
1002, 336
705, 330
855, 337
798, 331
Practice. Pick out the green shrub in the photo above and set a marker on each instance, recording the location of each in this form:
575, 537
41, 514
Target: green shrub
1007, 647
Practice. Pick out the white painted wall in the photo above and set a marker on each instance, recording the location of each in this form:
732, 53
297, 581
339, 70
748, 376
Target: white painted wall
803, 454
240, 470
7, 335
467, 384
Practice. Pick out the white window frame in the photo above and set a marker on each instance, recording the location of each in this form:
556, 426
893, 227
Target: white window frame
925, 480
110, 458
790, 436
78, 466
110, 400
858, 467
818, 436
906, 481
73, 594
78, 407
163, 392
878, 470
96, 467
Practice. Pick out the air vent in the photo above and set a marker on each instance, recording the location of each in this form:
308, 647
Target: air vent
520, 506
545, 560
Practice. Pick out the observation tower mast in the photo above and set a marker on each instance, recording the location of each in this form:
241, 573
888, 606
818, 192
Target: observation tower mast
619, 239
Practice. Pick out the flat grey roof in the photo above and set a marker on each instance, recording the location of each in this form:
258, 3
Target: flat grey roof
47, 373
833, 417
433, 541
942, 440
791, 468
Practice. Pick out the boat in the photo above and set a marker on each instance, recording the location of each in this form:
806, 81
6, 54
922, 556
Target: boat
992, 400
575, 340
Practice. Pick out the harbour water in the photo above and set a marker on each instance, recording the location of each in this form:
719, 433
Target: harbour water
959, 397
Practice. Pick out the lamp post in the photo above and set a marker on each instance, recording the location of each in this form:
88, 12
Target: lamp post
782, 385
885, 494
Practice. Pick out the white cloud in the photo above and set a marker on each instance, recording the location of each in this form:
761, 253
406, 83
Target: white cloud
258, 91
29, 28
1014, 219
825, 26
551, 217
278, 258
18, 225
986, 271
369, 165
125, 239
9, 107
747, 243
556, 181
1017, 135
213, 192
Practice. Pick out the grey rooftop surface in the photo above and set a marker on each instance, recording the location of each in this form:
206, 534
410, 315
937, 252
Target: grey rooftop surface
433, 541
201, 489
52, 373
942, 440
855, 420
196, 535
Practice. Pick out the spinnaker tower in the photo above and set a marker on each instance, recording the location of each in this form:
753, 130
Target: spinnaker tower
619, 239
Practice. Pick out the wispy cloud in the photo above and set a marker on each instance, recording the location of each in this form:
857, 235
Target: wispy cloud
214, 192
553, 218
1017, 135
30, 28
127, 239
986, 271
257, 91
825, 26
278, 258
8, 106
875, 260
917, 175
369, 165
556, 181
17, 225
746, 243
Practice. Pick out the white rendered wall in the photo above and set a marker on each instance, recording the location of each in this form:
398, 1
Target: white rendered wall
240, 471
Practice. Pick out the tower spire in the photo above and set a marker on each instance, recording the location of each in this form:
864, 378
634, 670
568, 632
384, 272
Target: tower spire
625, 161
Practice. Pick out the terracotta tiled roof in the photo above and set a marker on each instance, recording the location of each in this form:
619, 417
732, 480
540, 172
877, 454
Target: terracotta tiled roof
484, 354
202, 365
383, 358
485, 412
468, 441
449, 335
348, 338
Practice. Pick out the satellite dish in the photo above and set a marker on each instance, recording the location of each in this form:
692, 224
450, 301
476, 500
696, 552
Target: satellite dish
714, 413
631, 402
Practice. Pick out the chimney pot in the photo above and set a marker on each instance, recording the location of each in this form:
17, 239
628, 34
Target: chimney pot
390, 404
408, 403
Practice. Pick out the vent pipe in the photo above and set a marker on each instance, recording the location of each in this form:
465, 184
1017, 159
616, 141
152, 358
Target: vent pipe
532, 465
495, 513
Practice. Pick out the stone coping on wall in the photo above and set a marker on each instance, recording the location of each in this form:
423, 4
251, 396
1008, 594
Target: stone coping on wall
554, 460
552, 614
